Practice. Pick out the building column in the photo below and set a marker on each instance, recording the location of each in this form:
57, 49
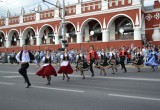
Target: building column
18, 42
156, 34
56, 38
22, 42
48, 40
79, 37
137, 33
32, 41
71, 39
8, 43
38, 40
105, 36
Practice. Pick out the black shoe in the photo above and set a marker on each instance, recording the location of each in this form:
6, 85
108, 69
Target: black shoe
83, 78
48, 83
28, 85
125, 71
92, 75
68, 79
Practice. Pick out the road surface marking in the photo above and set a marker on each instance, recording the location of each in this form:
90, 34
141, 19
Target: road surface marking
11, 76
8, 72
58, 89
6, 83
134, 97
119, 78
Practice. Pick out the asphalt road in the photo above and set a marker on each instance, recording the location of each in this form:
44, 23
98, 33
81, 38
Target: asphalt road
122, 91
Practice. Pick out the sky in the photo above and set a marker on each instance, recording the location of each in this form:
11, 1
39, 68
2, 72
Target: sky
15, 6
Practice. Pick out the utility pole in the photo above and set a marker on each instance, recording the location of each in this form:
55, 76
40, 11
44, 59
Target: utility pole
63, 26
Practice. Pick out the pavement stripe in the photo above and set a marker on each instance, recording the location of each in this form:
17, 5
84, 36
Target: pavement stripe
118, 78
58, 89
134, 97
6, 83
11, 76
8, 72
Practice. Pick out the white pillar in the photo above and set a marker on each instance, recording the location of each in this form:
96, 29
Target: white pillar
8, 43
78, 8
104, 4
39, 40
79, 37
56, 38
156, 34
37, 16
87, 36
21, 19
32, 41
105, 36
71, 39
137, 33
18, 43
48, 40
22, 42
7, 21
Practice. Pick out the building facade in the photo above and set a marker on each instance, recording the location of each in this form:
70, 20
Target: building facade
103, 23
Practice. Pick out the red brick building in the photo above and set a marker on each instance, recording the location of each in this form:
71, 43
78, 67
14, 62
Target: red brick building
103, 23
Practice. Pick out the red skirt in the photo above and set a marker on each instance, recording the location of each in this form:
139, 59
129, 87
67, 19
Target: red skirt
47, 71
65, 69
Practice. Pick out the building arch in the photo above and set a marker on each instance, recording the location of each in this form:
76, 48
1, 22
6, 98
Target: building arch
88, 20
43, 27
91, 24
117, 16
11, 32
121, 27
26, 29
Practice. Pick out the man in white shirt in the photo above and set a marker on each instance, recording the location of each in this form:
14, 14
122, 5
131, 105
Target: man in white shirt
24, 57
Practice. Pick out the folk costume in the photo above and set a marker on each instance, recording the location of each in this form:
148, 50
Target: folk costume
138, 60
152, 60
92, 57
123, 53
103, 62
24, 57
65, 67
81, 64
47, 69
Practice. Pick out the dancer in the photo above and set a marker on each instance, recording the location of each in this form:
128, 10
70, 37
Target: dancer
24, 57
122, 55
138, 59
113, 63
47, 70
152, 59
92, 56
82, 64
65, 67
103, 62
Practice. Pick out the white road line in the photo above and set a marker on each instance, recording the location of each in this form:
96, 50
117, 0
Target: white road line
118, 78
6, 83
8, 72
58, 89
134, 97
137, 79
11, 76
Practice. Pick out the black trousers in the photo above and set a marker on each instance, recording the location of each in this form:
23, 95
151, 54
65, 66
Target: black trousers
91, 65
23, 72
122, 59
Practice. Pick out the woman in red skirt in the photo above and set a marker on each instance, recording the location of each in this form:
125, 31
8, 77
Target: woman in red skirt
47, 70
65, 67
